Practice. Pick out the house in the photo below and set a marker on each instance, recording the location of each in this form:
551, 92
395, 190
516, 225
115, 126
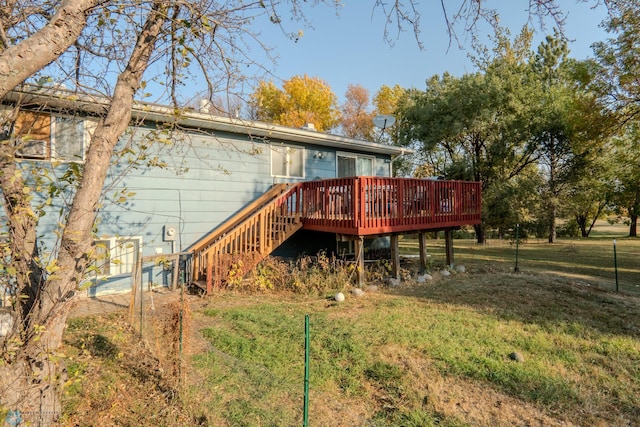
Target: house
189, 182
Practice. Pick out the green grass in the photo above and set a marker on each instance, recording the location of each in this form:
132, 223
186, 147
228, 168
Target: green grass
589, 259
573, 360
434, 354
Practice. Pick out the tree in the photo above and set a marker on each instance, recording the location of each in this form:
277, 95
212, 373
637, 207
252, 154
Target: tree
356, 121
301, 100
569, 127
387, 101
620, 72
626, 165
477, 123
619, 82
31, 373
93, 39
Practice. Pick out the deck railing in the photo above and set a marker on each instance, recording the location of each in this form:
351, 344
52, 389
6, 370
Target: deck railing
375, 205
358, 206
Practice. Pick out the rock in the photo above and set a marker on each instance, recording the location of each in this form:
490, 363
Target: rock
517, 357
424, 278
445, 273
6, 322
460, 269
394, 282
339, 297
357, 292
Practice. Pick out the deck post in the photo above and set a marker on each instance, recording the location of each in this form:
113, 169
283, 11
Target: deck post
360, 261
448, 238
422, 242
395, 256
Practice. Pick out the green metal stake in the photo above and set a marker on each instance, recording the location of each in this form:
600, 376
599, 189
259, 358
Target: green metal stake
516, 269
306, 371
615, 263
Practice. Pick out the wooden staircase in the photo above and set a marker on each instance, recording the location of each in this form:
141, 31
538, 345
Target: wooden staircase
234, 248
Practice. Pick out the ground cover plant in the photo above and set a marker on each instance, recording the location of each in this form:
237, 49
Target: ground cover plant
487, 347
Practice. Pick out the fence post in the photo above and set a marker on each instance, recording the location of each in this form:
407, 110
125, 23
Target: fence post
516, 269
615, 264
306, 371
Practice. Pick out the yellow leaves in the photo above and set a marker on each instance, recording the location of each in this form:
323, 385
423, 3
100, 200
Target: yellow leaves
301, 100
52, 267
386, 99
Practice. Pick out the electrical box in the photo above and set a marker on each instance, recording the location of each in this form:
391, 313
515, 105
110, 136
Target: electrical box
170, 232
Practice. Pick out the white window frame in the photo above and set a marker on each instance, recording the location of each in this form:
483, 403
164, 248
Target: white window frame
48, 145
356, 157
111, 253
288, 151
88, 127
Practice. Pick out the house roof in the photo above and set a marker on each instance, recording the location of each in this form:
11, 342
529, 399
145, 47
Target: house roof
62, 99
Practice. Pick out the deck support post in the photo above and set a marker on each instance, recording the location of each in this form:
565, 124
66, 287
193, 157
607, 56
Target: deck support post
422, 242
448, 238
395, 256
360, 261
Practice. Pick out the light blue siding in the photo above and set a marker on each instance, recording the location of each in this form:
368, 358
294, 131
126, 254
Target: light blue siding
205, 180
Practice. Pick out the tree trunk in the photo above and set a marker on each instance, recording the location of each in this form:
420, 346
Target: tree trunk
21, 61
581, 220
480, 235
552, 223
31, 381
633, 226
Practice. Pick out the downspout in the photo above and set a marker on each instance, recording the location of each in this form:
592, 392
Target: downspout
396, 158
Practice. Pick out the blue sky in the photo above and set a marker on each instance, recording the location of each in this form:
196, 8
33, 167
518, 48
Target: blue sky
349, 48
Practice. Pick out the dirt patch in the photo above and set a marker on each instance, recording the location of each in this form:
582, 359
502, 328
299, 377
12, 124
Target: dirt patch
474, 403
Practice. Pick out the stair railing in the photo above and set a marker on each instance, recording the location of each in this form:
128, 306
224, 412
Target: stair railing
248, 237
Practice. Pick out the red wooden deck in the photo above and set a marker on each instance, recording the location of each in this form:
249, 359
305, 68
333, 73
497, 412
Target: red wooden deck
362, 206
358, 206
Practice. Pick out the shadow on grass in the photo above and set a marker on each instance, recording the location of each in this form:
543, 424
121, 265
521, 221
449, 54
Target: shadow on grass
544, 299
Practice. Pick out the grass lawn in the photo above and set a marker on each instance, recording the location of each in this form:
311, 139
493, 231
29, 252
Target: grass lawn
438, 353
587, 260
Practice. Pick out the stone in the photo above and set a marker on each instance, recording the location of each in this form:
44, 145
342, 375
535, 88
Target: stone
516, 357
445, 273
339, 297
460, 269
424, 278
357, 292
6, 322
394, 282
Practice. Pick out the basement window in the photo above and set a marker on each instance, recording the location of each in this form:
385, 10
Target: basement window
116, 255
287, 161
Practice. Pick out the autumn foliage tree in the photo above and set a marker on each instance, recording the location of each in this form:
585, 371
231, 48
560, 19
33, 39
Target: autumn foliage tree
302, 100
357, 120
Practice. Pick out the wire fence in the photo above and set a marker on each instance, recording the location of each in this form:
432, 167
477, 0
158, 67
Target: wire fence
162, 321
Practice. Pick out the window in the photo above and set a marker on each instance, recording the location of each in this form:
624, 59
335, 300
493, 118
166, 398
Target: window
354, 165
116, 255
46, 137
287, 161
68, 139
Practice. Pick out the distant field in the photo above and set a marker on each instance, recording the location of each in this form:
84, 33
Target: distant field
590, 260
